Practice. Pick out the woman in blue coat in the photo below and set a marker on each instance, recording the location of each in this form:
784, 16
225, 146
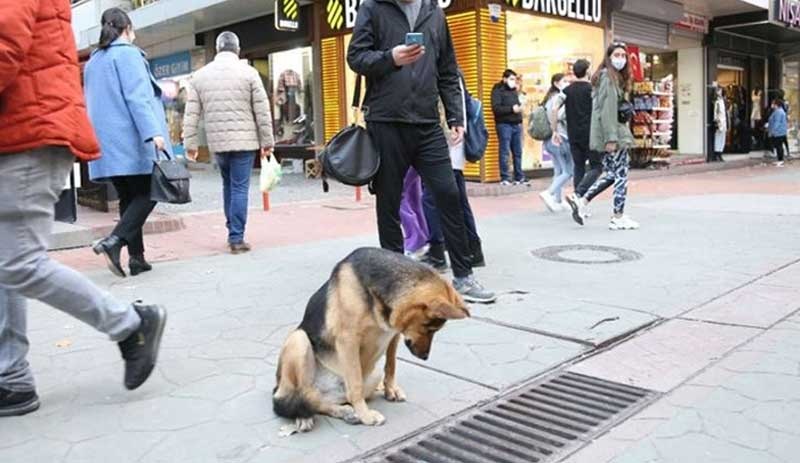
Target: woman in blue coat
124, 104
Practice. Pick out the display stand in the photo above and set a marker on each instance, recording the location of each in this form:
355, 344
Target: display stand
653, 122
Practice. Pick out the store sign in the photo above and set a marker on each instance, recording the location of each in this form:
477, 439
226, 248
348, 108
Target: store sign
287, 15
788, 12
341, 14
495, 12
171, 65
693, 23
582, 10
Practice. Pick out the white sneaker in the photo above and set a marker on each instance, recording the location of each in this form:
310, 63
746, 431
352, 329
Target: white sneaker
779, 164
505, 183
549, 201
623, 223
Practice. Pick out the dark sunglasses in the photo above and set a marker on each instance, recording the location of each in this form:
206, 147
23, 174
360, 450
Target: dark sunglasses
620, 45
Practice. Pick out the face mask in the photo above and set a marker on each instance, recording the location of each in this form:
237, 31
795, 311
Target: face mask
619, 63
512, 84
561, 86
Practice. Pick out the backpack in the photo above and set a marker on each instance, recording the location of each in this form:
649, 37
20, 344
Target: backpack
539, 127
351, 156
477, 137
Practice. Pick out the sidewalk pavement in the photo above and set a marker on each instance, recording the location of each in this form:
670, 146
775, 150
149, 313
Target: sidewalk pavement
715, 275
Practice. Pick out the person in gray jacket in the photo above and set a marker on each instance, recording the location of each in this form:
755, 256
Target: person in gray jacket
238, 124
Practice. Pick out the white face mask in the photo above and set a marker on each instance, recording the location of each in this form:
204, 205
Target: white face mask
562, 85
512, 83
619, 63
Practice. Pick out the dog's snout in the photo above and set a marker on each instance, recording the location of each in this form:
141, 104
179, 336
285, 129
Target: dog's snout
424, 355
408, 343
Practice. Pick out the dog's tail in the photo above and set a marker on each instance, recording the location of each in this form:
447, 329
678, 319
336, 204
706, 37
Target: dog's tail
293, 396
293, 405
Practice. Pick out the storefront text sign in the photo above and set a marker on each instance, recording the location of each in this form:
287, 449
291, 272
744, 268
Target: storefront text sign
495, 12
582, 10
171, 65
693, 23
341, 14
287, 14
789, 12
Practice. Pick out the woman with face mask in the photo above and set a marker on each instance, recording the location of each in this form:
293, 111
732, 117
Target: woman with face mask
507, 109
611, 135
124, 105
558, 146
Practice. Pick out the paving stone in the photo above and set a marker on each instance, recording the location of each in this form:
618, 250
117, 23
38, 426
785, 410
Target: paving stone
117, 448
492, 355
663, 358
235, 443
758, 305
218, 388
167, 414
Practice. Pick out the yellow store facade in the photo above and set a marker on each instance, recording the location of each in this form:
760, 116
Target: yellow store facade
535, 38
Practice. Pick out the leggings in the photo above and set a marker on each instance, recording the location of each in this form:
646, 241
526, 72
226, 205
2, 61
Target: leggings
615, 172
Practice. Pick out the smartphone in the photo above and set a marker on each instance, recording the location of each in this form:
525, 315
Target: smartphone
415, 38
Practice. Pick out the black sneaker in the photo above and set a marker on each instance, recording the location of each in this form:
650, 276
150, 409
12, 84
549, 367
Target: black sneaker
18, 403
435, 257
140, 350
472, 291
572, 200
110, 248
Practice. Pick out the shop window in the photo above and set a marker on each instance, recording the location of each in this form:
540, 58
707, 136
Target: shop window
539, 47
289, 80
791, 88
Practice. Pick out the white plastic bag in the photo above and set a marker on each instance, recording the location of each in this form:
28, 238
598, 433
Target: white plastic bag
270, 174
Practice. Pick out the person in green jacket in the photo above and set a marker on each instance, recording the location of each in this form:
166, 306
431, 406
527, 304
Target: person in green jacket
611, 136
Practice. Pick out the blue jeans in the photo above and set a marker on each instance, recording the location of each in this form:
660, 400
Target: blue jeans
563, 166
436, 236
235, 167
510, 136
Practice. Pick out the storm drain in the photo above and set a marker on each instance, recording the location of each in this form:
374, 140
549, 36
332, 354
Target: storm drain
533, 424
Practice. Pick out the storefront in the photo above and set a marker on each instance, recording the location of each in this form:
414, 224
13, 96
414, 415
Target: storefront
172, 73
666, 46
285, 59
755, 58
536, 39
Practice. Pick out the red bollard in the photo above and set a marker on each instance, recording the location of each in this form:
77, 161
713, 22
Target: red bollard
358, 194
265, 201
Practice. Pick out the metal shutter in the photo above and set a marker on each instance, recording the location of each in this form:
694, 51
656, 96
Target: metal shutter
636, 30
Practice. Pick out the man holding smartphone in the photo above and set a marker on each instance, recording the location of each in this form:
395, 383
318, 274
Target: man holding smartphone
404, 49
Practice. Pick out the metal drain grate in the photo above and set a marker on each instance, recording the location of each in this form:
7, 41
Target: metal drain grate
531, 425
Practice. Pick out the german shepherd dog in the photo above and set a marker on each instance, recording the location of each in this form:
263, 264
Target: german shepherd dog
372, 299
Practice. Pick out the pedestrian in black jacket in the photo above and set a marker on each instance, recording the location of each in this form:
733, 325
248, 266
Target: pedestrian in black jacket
402, 114
507, 110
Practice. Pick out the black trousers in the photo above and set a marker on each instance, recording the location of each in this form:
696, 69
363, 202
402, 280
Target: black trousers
778, 144
424, 147
582, 179
134, 208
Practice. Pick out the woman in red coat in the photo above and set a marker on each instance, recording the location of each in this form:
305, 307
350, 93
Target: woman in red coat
43, 126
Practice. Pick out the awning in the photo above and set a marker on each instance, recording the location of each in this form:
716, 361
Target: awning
767, 31
165, 20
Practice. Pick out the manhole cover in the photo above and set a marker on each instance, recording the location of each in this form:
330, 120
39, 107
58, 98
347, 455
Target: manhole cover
538, 423
588, 254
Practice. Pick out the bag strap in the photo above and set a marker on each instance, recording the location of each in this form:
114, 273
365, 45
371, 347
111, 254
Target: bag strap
166, 154
357, 100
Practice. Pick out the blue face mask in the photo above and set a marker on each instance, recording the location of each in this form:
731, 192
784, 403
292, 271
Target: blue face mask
619, 63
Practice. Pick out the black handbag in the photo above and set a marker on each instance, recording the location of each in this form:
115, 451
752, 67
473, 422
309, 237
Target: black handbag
625, 111
170, 180
350, 157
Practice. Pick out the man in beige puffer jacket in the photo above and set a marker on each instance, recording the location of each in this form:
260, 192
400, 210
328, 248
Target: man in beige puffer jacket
231, 97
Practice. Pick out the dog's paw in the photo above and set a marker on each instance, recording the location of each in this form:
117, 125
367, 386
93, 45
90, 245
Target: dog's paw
372, 418
347, 414
393, 393
304, 424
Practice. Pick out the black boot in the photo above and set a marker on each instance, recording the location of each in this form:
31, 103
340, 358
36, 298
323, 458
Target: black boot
18, 403
435, 257
138, 265
110, 248
477, 253
140, 349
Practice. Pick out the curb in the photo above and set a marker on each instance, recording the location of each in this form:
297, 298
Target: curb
71, 236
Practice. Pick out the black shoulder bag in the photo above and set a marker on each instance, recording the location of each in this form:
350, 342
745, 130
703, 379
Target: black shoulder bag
350, 156
170, 180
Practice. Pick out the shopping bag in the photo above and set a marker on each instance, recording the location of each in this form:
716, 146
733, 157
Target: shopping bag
270, 173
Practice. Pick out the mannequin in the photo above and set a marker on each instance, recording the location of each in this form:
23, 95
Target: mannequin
721, 123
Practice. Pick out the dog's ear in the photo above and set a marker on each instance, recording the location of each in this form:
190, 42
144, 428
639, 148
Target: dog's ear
450, 312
